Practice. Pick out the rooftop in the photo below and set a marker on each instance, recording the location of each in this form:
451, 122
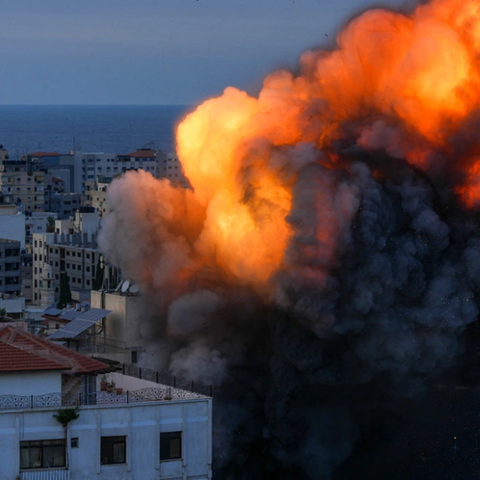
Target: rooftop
22, 351
140, 154
44, 154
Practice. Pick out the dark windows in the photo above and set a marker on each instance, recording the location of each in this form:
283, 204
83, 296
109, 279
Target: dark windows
170, 446
42, 454
74, 442
113, 450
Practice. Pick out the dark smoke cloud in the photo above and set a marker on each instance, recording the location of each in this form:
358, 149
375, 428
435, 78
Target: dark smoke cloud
366, 327
299, 376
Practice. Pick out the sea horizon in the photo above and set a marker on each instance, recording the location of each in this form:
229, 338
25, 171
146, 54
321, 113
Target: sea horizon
105, 128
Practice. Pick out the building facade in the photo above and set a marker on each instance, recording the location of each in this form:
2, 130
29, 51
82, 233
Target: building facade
76, 255
64, 204
10, 267
21, 186
125, 428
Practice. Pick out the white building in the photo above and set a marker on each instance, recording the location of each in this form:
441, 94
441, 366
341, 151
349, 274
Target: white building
140, 431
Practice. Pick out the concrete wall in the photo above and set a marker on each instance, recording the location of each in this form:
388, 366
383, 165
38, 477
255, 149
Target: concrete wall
141, 424
30, 383
122, 325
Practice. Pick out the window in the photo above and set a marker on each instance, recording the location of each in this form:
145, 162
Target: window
42, 454
113, 450
134, 356
170, 446
74, 442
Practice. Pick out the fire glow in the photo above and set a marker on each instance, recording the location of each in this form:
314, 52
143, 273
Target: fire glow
406, 84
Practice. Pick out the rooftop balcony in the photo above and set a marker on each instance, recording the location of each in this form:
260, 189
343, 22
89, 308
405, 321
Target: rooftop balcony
122, 389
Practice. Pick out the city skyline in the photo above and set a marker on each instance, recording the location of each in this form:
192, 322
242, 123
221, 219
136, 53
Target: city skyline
125, 52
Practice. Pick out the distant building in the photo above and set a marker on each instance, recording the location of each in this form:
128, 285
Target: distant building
10, 279
142, 159
38, 222
67, 167
76, 255
26, 274
21, 185
3, 153
64, 204
96, 196
127, 427
171, 168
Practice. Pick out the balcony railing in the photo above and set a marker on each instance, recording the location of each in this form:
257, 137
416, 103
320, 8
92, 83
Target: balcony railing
57, 399
46, 475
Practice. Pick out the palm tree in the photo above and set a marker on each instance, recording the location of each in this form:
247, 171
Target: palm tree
50, 225
64, 416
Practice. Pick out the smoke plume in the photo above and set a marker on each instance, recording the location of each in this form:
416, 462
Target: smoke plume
323, 271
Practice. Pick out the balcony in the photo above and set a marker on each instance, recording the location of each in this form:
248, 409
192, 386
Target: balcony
57, 399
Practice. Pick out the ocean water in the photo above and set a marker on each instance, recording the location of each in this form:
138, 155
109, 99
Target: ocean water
96, 128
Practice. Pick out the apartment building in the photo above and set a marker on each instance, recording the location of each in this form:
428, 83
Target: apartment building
76, 255
96, 196
10, 278
21, 187
67, 167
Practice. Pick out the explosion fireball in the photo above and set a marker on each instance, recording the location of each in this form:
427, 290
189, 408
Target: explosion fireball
325, 262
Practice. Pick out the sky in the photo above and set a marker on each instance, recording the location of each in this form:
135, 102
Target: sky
157, 51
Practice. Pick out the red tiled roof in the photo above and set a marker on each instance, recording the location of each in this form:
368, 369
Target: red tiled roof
140, 154
22, 351
44, 154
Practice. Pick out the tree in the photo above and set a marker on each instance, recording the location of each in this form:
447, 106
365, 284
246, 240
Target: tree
64, 416
65, 292
98, 281
50, 225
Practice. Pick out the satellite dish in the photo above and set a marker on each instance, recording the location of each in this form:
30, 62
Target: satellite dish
134, 289
118, 286
125, 286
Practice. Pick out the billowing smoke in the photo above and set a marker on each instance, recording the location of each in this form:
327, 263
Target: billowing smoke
323, 271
